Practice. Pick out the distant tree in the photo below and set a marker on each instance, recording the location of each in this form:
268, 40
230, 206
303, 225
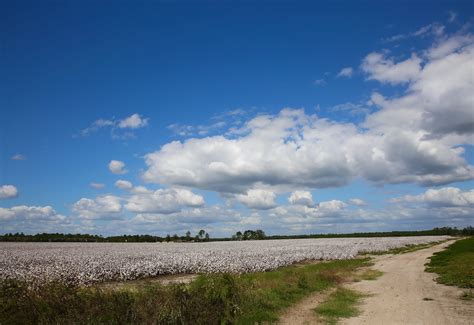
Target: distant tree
249, 235
201, 234
175, 237
260, 234
238, 235
207, 237
188, 236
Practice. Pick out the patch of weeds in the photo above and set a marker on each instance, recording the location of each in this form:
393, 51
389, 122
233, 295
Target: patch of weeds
467, 295
369, 274
342, 303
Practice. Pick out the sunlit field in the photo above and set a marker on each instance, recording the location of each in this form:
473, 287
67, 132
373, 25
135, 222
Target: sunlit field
88, 263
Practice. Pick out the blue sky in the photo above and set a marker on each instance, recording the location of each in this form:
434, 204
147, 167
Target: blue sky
294, 117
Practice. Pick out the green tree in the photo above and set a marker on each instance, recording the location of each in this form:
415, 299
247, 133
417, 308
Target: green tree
201, 234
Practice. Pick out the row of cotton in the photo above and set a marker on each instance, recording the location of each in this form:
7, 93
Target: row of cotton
88, 263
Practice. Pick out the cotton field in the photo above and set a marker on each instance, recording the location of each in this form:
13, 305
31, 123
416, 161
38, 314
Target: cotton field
88, 263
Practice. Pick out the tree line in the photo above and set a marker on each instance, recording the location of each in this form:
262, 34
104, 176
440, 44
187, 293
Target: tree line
203, 236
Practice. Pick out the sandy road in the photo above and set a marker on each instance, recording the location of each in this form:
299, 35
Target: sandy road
403, 294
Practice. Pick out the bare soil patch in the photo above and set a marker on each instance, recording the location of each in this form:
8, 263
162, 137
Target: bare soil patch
406, 294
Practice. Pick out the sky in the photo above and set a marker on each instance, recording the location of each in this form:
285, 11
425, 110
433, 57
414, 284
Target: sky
158, 117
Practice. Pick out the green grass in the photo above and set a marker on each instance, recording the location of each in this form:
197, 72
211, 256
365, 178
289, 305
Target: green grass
455, 265
210, 299
343, 303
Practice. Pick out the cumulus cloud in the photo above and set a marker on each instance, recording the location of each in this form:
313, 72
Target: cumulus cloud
293, 150
8, 192
301, 198
379, 67
97, 186
434, 105
331, 207
117, 167
303, 214
100, 207
202, 216
272, 151
134, 121
443, 197
163, 201
31, 213
346, 72
123, 185
257, 199
18, 156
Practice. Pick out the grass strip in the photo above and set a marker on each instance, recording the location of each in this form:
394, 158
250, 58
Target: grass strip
408, 248
343, 303
455, 265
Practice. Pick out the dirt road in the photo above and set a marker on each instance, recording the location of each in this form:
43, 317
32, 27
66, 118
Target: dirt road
406, 294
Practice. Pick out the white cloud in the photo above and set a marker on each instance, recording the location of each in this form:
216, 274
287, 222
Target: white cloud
319, 82
163, 201
301, 198
199, 130
446, 46
385, 70
293, 150
346, 72
97, 186
351, 108
331, 207
100, 207
32, 213
257, 199
438, 106
134, 121
119, 129
357, 202
123, 185
435, 29
445, 197
117, 167
8, 192
175, 221
18, 156
97, 125
271, 151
